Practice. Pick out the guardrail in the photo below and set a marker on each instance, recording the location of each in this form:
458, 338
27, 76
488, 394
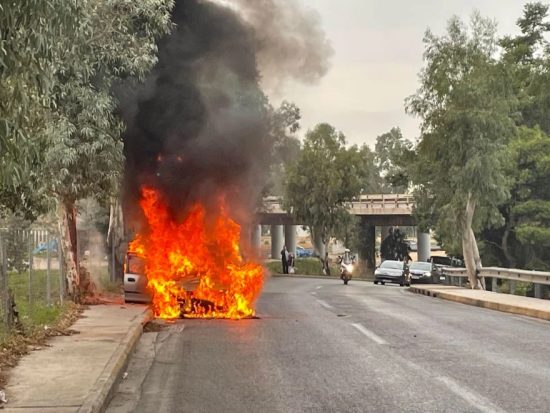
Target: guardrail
540, 279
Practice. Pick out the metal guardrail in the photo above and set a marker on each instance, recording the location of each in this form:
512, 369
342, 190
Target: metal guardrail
538, 278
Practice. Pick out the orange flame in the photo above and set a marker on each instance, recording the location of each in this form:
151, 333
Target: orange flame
195, 266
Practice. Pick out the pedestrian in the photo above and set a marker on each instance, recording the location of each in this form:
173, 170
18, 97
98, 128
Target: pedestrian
291, 263
284, 259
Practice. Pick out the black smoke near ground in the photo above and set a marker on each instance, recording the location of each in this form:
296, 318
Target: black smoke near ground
197, 129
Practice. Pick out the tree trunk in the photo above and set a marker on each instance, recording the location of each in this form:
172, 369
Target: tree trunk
67, 229
116, 236
469, 245
510, 260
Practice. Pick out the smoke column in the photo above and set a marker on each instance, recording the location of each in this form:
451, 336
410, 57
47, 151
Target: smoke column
198, 127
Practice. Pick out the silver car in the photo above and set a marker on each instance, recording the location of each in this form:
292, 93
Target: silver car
135, 281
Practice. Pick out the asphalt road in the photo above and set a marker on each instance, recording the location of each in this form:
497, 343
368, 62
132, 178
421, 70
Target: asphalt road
320, 346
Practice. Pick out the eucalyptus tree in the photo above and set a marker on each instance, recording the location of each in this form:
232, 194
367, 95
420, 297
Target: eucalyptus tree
523, 238
114, 40
31, 37
393, 153
318, 186
465, 105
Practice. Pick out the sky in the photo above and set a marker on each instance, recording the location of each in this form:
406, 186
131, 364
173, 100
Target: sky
377, 57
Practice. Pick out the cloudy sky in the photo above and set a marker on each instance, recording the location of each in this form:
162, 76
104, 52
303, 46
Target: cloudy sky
378, 54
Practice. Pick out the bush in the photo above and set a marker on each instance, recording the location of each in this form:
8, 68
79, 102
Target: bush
303, 266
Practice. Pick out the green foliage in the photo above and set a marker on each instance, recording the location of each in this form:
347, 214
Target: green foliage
465, 104
529, 209
284, 123
115, 40
325, 177
393, 154
371, 180
58, 61
31, 33
303, 266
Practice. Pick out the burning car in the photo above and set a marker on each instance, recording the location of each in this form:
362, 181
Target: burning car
192, 267
135, 281
136, 290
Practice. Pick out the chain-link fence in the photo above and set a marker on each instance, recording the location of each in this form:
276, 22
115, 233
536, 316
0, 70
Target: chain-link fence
32, 284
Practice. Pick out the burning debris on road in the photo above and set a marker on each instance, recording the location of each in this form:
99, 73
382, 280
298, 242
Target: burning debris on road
195, 267
198, 149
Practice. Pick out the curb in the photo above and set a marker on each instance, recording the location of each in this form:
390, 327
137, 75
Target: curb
491, 305
103, 389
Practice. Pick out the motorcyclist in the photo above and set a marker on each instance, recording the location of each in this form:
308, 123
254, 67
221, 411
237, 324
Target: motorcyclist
346, 262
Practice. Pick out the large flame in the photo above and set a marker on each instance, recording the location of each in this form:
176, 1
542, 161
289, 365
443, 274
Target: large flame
195, 266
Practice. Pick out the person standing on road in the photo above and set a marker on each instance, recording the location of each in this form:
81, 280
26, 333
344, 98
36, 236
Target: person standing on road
284, 259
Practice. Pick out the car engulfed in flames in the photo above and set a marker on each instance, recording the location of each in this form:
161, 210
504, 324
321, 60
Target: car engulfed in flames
194, 267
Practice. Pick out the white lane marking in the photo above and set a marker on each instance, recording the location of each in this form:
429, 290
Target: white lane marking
318, 287
313, 293
377, 339
324, 304
477, 401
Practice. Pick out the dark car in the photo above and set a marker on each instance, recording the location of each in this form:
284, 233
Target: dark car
392, 272
439, 262
421, 272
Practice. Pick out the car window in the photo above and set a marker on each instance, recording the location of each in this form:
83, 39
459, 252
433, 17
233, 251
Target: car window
425, 266
441, 260
395, 265
135, 265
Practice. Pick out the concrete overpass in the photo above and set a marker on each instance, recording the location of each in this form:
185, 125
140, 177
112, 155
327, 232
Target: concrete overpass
384, 210
380, 210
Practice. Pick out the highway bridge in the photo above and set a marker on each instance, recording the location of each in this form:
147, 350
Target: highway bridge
380, 210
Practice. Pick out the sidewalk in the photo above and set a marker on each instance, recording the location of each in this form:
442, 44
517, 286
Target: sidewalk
77, 372
527, 306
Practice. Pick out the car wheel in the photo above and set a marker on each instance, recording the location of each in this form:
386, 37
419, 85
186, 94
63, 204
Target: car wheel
382, 282
376, 282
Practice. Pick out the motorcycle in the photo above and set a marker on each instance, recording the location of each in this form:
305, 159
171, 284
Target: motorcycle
346, 272
346, 267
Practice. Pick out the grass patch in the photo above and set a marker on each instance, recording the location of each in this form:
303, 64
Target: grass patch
39, 317
35, 305
303, 266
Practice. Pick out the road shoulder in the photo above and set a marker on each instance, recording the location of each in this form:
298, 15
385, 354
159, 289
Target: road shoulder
526, 306
78, 373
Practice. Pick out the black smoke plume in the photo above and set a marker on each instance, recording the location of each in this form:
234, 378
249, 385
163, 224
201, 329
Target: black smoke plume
198, 127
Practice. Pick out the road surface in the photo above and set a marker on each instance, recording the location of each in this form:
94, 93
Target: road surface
320, 346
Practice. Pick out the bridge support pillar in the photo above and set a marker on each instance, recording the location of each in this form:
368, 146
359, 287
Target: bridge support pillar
423, 245
539, 291
368, 255
290, 238
277, 241
256, 239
